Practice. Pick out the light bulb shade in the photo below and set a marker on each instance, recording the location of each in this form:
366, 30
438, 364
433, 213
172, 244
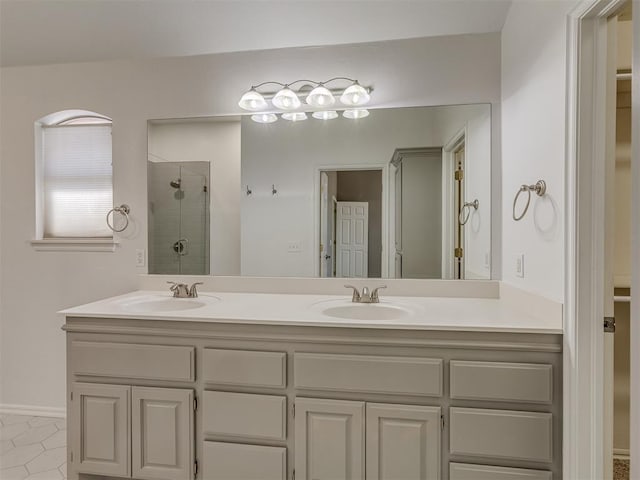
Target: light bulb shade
252, 101
294, 116
321, 97
356, 113
264, 117
325, 115
286, 99
355, 95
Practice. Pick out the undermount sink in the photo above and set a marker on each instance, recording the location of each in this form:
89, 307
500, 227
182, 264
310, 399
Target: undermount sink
363, 311
160, 304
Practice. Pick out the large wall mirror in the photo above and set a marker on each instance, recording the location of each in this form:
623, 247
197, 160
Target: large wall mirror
402, 193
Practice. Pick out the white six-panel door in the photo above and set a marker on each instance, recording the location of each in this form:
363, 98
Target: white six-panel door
352, 239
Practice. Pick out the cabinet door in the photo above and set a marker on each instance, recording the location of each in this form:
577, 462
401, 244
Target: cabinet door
403, 442
162, 433
329, 443
100, 429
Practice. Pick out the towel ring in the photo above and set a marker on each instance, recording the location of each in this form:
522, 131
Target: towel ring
466, 210
122, 210
540, 188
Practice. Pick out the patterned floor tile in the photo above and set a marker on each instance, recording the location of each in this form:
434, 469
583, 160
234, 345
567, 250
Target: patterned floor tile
58, 439
48, 475
48, 460
5, 446
39, 421
20, 455
63, 469
12, 419
35, 435
15, 473
9, 432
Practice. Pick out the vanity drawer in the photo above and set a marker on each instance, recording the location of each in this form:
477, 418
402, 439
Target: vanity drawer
504, 434
245, 415
368, 373
501, 381
130, 360
234, 461
467, 471
245, 367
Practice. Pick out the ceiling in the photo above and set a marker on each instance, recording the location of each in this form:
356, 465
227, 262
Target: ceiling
36, 32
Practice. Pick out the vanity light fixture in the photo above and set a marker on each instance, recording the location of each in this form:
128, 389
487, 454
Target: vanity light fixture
286, 99
317, 95
356, 113
264, 117
355, 95
321, 97
325, 115
253, 101
294, 116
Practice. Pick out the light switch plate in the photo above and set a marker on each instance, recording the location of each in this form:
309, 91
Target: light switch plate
294, 246
140, 257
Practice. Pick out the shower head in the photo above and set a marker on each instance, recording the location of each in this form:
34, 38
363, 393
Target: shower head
176, 183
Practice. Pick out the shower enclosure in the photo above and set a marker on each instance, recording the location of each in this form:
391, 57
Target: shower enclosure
179, 218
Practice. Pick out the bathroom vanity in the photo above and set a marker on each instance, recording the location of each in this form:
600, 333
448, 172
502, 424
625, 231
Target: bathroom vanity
274, 387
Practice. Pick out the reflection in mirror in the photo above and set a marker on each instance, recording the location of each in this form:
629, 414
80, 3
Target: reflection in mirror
402, 193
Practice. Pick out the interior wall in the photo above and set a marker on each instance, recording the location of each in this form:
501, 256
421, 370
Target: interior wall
366, 186
534, 48
416, 72
217, 142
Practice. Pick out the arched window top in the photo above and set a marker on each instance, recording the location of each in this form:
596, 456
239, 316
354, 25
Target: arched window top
74, 117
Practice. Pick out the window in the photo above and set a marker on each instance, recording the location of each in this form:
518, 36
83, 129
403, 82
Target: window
75, 176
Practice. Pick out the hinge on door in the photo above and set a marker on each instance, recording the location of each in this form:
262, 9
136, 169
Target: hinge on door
442, 422
71, 456
293, 410
458, 252
72, 396
195, 468
293, 476
459, 174
609, 324
195, 404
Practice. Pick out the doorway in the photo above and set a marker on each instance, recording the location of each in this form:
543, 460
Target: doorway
351, 211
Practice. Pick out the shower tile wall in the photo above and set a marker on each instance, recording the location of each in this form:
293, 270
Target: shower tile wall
179, 213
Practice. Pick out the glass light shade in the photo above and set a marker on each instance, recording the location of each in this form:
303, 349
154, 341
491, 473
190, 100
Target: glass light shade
320, 97
252, 101
286, 99
264, 117
356, 113
355, 95
294, 116
325, 115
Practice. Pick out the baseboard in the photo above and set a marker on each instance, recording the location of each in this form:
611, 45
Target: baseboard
621, 453
33, 411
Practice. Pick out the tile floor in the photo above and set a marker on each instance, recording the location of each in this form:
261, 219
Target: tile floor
32, 448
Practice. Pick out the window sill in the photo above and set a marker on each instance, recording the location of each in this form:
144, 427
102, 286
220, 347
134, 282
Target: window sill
74, 245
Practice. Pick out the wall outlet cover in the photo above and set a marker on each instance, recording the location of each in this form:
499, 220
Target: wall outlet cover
520, 265
140, 257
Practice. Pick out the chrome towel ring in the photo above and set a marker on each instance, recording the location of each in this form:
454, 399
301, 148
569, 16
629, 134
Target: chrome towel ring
122, 210
540, 188
466, 210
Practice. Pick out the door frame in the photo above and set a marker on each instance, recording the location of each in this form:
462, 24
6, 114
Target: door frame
583, 340
384, 168
448, 202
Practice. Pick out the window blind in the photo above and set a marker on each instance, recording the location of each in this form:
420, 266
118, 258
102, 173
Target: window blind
78, 188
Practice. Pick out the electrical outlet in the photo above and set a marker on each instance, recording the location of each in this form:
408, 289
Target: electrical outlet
294, 246
486, 260
520, 265
140, 257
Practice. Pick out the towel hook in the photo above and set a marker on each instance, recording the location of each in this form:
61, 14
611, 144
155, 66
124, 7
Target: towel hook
123, 210
466, 210
540, 188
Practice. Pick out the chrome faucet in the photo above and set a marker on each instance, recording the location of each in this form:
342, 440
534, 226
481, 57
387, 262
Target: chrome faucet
182, 290
365, 297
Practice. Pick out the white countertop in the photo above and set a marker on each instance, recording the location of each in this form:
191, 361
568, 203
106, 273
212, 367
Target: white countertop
418, 313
